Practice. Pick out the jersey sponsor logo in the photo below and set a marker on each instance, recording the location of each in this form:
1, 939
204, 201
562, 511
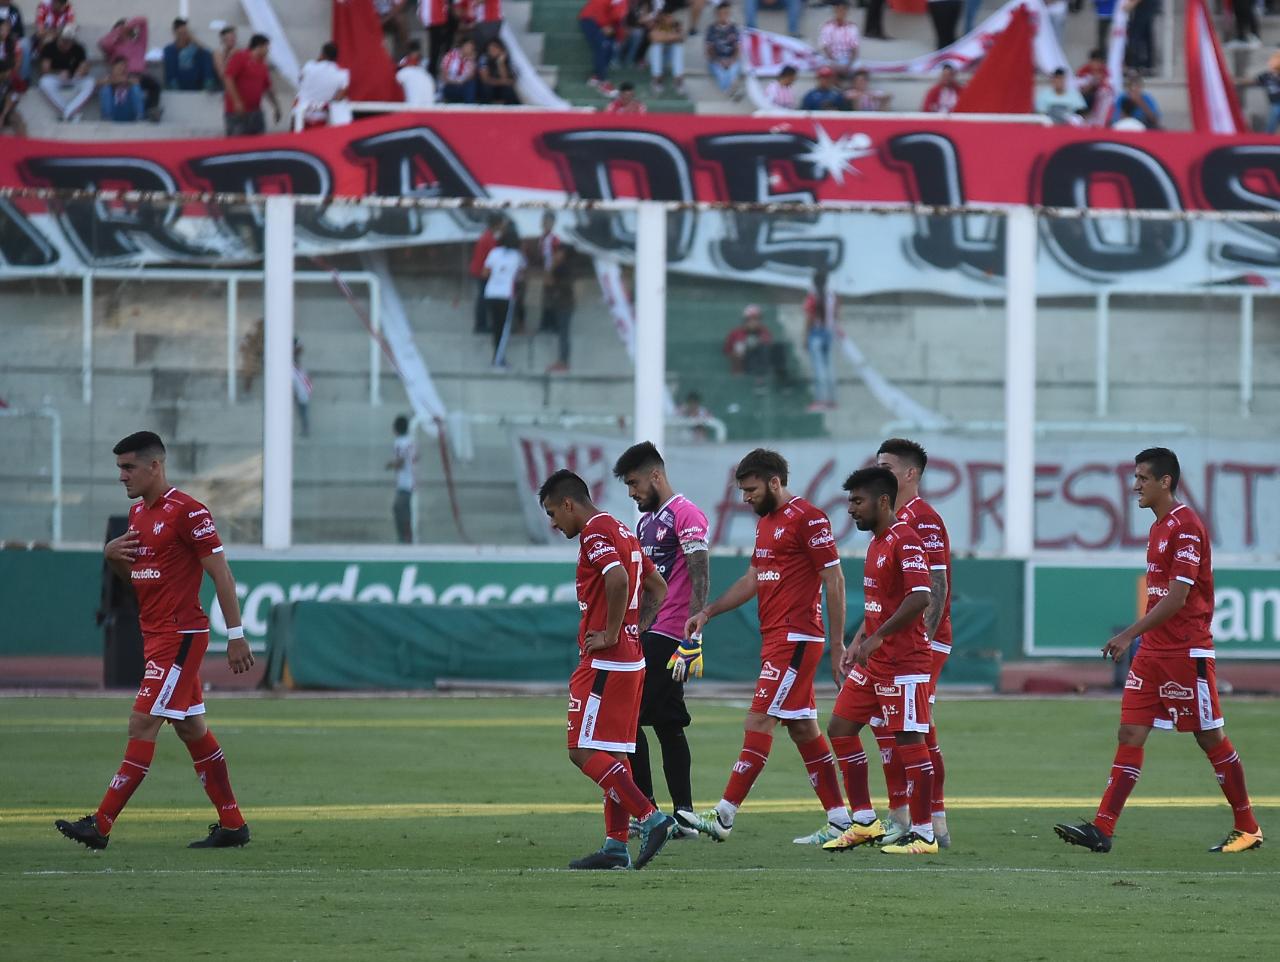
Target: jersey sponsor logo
740, 767
768, 576
763, 553
575, 704
145, 574
153, 672
1188, 554
600, 550
760, 693
1172, 690
204, 529
778, 533
817, 521
1152, 568
868, 582
1188, 536
1156, 591
196, 514
693, 531
119, 781
582, 606
873, 607
1133, 682
914, 563
157, 527
888, 691
146, 551
821, 539
933, 543
168, 509
769, 672
857, 677
632, 630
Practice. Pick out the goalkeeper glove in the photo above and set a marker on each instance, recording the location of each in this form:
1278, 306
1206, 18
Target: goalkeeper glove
687, 661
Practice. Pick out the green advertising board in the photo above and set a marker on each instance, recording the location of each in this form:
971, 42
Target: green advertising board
1072, 610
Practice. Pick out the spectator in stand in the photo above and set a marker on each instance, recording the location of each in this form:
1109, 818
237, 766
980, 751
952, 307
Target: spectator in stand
248, 80
128, 39
417, 83
502, 268
825, 96
458, 72
228, 44
634, 39
972, 7
942, 96
1060, 101
626, 102
548, 243
838, 41
695, 11
9, 97
750, 349
486, 242
558, 302
497, 79
11, 46
10, 14
794, 10
51, 17
693, 410
873, 25
64, 74
250, 355
666, 52
1246, 25
602, 23
120, 98
781, 91
1092, 79
320, 83
1144, 106
404, 455
1269, 81
483, 18
723, 46
187, 64
862, 96
820, 311
1105, 10
394, 15
301, 391
1129, 118
945, 15
1140, 51
441, 21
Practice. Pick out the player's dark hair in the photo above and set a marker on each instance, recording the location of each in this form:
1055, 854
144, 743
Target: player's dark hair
763, 464
564, 484
642, 455
145, 443
400, 425
909, 451
1163, 462
874, 481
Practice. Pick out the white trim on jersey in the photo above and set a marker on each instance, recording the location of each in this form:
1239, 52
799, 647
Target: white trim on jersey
941, 646
797, 636
910, 679
1185, 580
598, 514
1199, 652
937, 567
784, 689
617, 665
922, 588
609, 567
194, 631
831, 564
217, 550
1162, 723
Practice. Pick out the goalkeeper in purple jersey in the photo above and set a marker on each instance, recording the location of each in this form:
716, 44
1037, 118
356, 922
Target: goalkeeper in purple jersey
673, 532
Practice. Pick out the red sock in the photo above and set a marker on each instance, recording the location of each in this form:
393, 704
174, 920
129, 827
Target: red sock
853, 765
617, 823
137, 761
939, 771
895, 779
750, 763
1124, 775
821, 766
211, 766
615, 781
1230, 771
919, 776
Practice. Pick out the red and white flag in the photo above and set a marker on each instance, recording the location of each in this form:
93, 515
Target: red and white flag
1215, 109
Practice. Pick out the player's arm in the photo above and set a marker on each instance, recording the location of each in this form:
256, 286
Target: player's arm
120, 554
912, 607
737, 595
616, 588
239, 657
833, 582
653, 591
1165, 608
938, 588
698, 564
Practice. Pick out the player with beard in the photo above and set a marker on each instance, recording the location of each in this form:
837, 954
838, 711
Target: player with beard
673, 535
795, 558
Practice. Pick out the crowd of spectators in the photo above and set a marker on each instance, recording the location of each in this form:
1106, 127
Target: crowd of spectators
467, 60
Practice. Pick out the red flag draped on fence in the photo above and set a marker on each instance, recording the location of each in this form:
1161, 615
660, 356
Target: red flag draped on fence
1004, 81
358, 33
1215, 109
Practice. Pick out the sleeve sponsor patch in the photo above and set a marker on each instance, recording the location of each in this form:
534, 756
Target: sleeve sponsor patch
1188, 554
822, 538
204, 529
914, 562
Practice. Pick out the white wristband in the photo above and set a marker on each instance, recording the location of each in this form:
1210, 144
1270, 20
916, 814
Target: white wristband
236, 633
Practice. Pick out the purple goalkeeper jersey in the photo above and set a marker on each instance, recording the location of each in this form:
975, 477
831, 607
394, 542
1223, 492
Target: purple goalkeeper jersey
666, 536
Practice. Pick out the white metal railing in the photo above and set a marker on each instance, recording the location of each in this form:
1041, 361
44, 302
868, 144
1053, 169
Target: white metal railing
55, 461
394, 107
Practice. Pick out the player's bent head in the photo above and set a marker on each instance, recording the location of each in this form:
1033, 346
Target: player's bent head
145, 446
642, 457
875, 483
1163, 464
909, 453
763, 464
563, 486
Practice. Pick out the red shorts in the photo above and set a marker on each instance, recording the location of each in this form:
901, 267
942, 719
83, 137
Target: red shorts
1174, 692
604, 707
171, 686
788, 664
900, 704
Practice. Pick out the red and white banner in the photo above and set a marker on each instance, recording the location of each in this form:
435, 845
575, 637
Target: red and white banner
767, 53
1215, 109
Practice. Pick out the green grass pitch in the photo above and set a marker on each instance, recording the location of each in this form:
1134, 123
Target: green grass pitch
439, 828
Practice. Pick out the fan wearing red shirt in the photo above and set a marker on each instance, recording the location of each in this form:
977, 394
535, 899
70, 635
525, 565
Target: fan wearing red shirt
1172, 684
248, 80
907, 460
795, 559
619, 593
887, 680
170, 544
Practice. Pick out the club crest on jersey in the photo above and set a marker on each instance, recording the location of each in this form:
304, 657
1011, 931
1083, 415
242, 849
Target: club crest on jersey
661, 532
778, 533
1162, 545
882, 560
157, 527
1133, 682
769, 673
1175, 692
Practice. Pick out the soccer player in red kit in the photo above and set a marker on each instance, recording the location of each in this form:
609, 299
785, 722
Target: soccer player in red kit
795, 559
1171, 683
907, 460
888, 669
170, 544
619, 594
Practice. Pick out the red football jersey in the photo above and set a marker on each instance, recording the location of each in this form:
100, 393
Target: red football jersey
932, 532
173, 535
894, 568
1178, 549
793, 545
604, 543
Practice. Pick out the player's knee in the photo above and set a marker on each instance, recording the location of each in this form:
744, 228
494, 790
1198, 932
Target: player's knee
144, 727
1209, 740
579, 756
803, 730
190, 729
1135, 735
